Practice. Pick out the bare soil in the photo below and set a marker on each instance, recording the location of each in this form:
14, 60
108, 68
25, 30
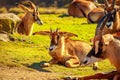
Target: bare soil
21, 73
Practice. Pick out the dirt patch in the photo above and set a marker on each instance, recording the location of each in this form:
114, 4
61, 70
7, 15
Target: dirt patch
20, 73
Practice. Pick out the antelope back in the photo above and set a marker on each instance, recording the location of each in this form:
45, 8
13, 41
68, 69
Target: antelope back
80, 8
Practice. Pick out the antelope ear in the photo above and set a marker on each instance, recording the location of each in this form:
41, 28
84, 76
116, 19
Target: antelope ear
68, 34
107, 39
23, 7
42, 33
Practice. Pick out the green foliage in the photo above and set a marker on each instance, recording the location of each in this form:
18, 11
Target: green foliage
34, 50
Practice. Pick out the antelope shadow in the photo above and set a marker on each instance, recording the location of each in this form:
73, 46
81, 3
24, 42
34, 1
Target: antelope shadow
38, 66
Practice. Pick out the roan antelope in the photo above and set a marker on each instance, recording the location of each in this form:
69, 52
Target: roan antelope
11, 23
65, 51
80, 8
110, 21
97, 13
106, 45
32, 15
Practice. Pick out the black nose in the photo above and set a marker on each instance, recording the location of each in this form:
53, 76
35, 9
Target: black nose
50, 49
85, 61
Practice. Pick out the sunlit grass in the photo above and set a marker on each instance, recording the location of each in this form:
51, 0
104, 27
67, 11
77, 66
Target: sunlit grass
33, 52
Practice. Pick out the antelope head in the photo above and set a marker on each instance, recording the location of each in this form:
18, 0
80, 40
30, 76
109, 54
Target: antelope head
32, 13
100, 40
56, 37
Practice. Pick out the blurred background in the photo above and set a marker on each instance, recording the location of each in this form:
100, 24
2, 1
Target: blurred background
61, 5
10, 5
41, 3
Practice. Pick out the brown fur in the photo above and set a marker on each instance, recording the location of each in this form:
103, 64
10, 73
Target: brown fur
77, 5
111, 50
31, 15
95, 15
110, 44
116, 24
108, 47
67, 52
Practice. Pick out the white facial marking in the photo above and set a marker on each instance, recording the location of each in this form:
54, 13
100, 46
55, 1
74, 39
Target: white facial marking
110, 25
90, 60
53, 47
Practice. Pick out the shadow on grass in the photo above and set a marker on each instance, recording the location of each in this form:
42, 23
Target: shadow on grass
63, 15
38, 67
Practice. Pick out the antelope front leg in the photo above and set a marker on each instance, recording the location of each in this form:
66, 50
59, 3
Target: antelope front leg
72, 62
95, 66
52, 61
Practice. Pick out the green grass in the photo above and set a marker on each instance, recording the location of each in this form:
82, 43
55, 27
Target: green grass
31, 54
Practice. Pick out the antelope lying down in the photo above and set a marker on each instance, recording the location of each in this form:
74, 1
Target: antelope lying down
106, 45
80, 8
64, 50
10, 22
26, 26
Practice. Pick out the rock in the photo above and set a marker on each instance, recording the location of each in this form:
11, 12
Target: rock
9, 22
4, 36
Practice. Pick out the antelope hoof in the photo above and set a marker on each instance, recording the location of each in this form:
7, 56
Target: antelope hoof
45, 65
70, 78
95, 68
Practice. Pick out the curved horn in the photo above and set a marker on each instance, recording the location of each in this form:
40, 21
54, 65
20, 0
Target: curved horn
113, 4
106, 3
32, 5
57, 29
102, 23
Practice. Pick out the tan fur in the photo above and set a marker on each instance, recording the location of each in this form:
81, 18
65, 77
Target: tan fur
111, 50
95, 15
75, 50
67, 52
31, 15
76, 5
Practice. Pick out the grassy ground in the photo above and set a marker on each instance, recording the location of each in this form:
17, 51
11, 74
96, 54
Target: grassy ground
33, 54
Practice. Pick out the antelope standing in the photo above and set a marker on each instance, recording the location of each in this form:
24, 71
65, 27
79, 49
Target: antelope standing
64, 50
31, 15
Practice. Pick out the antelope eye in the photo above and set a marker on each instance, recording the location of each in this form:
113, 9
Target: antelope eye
58, 37
33, 14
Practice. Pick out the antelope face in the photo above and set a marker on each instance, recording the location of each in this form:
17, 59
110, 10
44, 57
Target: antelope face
99, 50
55, 38
94, 55
36, 18
32, 13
